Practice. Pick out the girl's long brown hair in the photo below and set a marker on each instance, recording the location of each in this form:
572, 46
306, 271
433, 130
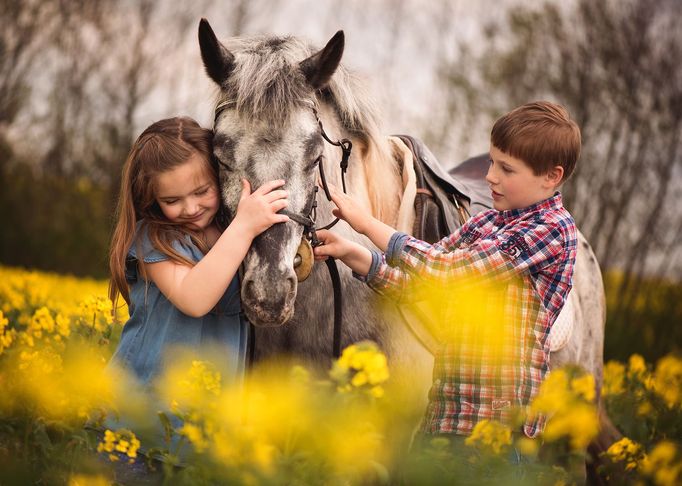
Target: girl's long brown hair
163, 146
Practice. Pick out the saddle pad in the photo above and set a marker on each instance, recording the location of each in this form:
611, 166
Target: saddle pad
562, 328
406, 213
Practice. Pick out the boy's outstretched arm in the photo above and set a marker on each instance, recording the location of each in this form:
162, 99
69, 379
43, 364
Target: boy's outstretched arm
354, 255
360, 220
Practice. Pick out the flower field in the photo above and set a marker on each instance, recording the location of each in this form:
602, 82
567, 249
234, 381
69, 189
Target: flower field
286, 423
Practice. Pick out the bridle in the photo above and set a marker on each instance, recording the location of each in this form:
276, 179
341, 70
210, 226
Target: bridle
308, 220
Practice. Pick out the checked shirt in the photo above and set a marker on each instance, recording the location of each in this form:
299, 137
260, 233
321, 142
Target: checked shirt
488, 362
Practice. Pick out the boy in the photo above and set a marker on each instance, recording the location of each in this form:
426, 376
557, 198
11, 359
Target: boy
527, 244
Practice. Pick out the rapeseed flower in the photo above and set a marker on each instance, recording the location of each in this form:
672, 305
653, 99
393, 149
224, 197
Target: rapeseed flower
123, 441
667, 380
626, 451
663, 465
614, 379
7, 336
361, 366
566, 399
490, 436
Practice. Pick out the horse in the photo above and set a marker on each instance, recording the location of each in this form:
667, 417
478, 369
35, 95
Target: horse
277, 95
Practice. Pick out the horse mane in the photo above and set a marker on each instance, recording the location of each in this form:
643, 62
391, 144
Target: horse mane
266, 84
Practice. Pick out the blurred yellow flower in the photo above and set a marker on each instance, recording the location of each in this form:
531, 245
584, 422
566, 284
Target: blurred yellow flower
627, 451
614, 379
667, 380
660, 465
88, 480
567, 402
363, 366
123, 441
490, 436
584, 386
7, 336
636, 365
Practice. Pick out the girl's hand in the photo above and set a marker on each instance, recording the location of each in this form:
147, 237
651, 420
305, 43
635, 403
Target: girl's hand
350, 211
257, 211
333, 245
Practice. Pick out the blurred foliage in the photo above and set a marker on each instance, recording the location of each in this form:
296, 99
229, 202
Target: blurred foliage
54, 223
650, 327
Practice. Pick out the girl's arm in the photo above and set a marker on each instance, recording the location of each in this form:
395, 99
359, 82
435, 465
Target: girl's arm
196, 290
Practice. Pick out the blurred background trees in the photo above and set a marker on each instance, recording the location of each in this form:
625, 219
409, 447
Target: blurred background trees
80, 79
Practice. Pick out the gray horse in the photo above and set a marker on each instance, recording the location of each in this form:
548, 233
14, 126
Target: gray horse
273, 93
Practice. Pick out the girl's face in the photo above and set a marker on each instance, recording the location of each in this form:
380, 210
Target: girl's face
188, 194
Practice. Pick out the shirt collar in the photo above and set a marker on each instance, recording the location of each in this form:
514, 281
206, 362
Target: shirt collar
550, 203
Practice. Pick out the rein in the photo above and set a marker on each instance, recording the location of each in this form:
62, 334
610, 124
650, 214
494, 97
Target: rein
308, 221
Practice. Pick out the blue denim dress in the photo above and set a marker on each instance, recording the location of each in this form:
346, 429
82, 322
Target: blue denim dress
156, 326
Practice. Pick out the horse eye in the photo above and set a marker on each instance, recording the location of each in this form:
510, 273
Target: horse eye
224, 165
315, 163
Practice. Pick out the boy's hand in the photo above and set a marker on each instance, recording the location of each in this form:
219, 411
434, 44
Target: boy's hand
356, 256
349, 210
333, 245
257, 211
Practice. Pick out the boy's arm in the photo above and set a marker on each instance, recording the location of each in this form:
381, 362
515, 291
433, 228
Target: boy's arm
528, 247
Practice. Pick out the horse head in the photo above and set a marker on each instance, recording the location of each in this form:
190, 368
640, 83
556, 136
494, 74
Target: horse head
267, 127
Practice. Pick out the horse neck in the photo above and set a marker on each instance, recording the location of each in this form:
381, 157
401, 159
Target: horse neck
373, 177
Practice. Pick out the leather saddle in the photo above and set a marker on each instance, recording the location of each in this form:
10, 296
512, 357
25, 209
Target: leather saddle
445, 200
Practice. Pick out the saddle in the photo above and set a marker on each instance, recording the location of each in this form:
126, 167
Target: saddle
444, 201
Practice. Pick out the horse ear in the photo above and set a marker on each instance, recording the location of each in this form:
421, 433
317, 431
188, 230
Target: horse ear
319, 68
218, 61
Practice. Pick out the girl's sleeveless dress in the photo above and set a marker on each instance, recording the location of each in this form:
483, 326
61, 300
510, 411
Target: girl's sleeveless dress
156, 328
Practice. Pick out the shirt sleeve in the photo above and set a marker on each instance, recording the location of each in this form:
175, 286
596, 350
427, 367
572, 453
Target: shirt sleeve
529, 247
525, 248
388, 278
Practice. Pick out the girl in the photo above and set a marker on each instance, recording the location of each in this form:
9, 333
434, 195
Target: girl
173, 259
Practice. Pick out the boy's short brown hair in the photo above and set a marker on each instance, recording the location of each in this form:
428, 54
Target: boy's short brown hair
541, 134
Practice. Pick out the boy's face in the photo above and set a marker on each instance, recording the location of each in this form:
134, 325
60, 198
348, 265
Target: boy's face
513, 184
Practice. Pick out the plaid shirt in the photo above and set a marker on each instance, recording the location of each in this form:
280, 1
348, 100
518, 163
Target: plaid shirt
530, 254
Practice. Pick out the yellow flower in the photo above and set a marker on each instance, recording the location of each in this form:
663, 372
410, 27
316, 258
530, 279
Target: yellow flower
567, 403
584, 386
195, 436
527, 446
614, 378
660, 465
636, 366
667, 380
123, 441
490, 436
88, 480
362, 365
627, 451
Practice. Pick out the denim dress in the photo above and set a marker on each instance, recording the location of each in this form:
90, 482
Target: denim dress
156, 327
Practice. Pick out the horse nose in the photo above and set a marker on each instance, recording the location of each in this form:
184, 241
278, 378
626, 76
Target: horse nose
291, 284
249, 290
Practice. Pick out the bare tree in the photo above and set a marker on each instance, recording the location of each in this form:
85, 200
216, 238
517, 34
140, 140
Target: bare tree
617, 66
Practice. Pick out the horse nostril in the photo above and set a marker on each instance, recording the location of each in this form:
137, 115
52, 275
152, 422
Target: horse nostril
291, 281
249, 290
